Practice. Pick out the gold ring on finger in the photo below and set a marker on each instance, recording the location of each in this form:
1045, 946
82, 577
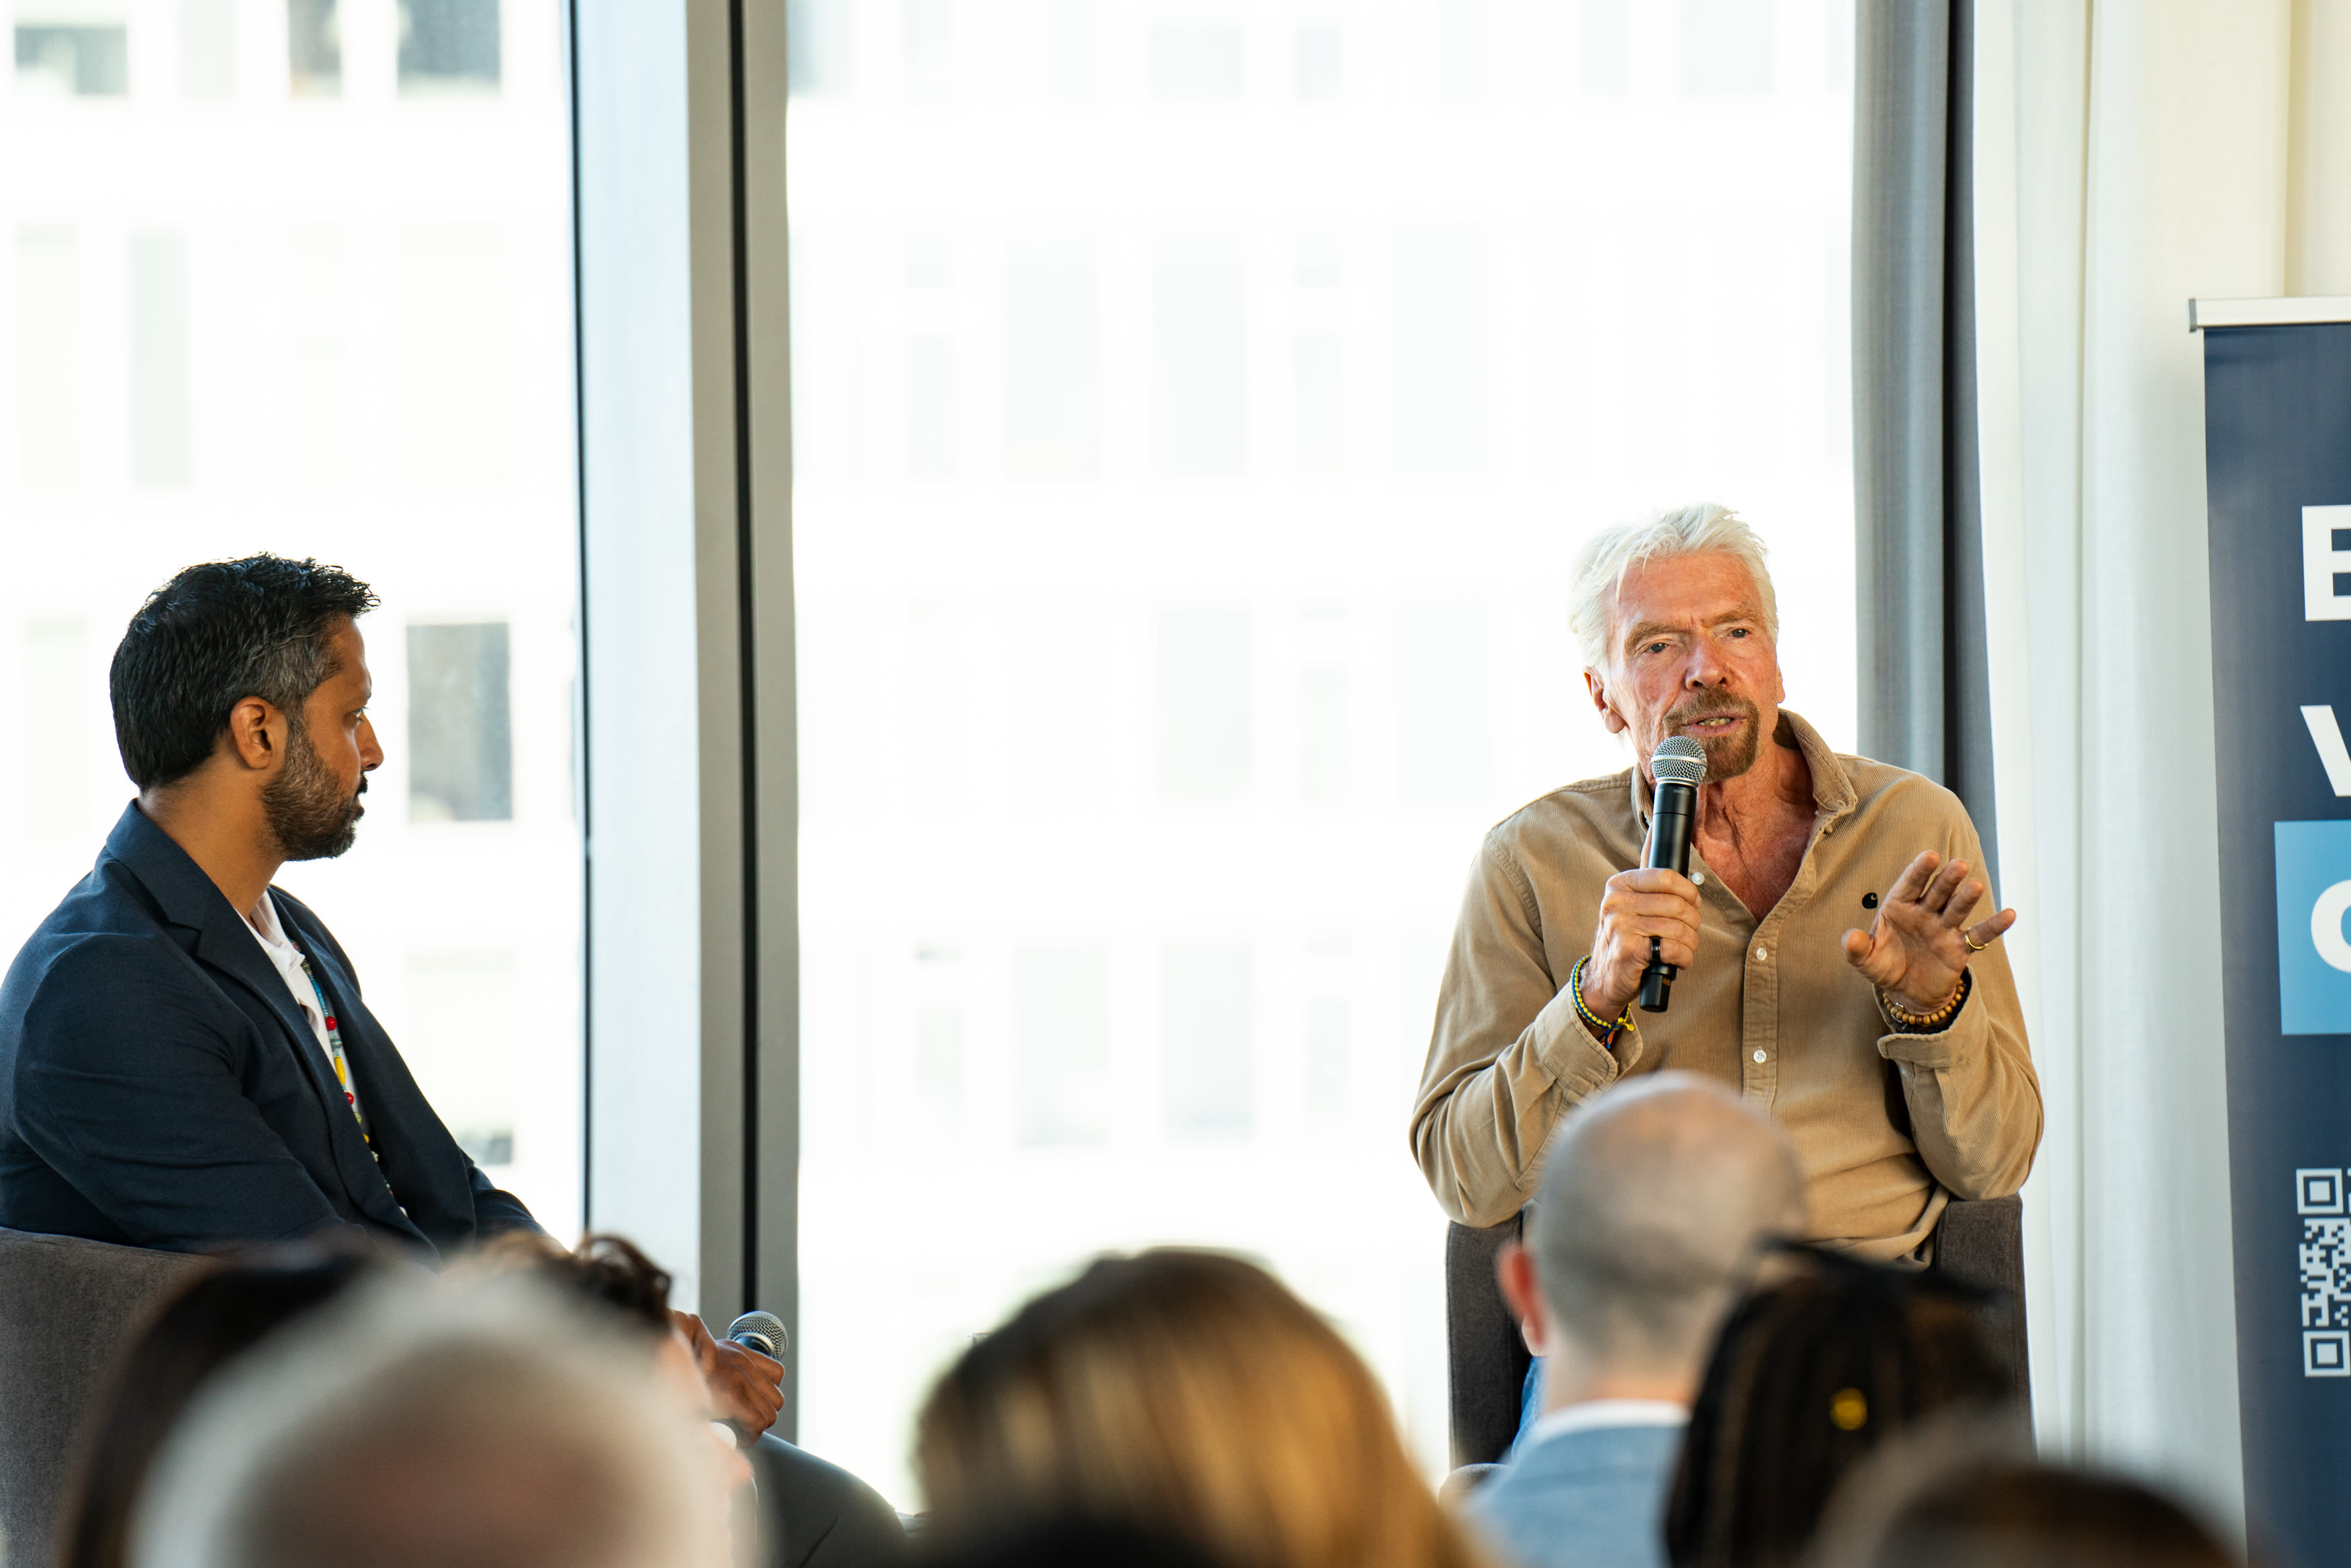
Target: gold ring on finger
1973, 946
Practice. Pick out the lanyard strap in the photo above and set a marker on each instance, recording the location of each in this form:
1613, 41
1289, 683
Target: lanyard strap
335, 1055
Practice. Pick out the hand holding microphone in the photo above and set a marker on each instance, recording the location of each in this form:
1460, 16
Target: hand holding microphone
745, 1376
1649, 917
763, 1332
1679, 766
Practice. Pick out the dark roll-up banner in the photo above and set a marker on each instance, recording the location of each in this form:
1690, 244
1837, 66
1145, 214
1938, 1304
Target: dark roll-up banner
2277, 424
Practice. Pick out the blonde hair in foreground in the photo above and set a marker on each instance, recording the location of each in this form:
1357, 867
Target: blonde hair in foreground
1187, 1392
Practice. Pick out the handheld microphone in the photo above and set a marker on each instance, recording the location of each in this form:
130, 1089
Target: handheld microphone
1678, 765
762, 1332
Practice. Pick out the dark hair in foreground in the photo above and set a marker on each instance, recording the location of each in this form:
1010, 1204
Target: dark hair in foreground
216, 1318
1809, 1376
609, 1271
2021, 1514
211, 637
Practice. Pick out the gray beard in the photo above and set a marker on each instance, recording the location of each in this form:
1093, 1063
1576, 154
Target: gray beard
1727, 758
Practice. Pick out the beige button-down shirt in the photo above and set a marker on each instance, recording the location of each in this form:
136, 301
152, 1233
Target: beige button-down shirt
1889, 1127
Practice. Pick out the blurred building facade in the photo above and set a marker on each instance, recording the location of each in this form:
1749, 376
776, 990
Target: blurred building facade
1197, 408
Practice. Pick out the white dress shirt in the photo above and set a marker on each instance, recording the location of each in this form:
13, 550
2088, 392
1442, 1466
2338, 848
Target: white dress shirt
1586, 1414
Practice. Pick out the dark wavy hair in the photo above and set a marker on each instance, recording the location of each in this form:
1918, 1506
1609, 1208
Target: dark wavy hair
607, 1271
211, 637
1809, 1376
214, 1319
2028, 1515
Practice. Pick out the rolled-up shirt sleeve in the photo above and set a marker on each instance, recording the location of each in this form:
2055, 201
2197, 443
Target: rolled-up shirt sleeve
1889, 1127
1494, 1085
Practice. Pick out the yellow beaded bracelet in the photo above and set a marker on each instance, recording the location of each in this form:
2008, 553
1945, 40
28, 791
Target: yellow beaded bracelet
1910, 1023
1602, 1030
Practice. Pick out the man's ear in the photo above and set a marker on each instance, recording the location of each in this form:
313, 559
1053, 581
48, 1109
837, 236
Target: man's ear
1599, 690
256, 734
1514, 1266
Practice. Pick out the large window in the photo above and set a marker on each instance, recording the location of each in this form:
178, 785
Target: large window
1196, 409
291, 274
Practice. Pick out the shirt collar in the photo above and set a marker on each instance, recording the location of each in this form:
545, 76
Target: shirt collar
272, 934
1590, 1414
1833, 790
283, 955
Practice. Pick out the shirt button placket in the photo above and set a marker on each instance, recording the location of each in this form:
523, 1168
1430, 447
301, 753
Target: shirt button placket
1764, 997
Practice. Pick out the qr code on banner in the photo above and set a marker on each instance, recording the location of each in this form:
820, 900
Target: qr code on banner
2324, 1257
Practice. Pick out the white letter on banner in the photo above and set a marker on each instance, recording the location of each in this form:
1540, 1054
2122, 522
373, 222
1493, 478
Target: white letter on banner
2321, 561
2327, 736
2327, 927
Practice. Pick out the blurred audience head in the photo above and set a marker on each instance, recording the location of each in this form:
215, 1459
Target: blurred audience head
1970, 1494
2042, 1516
610, 1275
1184, 1393
1811, 1374
1072, 1543
613, 1279
1656, 1200
224, 1312
604, 1270
463, 1425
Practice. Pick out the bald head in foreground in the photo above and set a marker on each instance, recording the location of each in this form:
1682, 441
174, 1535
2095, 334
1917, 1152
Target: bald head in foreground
1656, 1200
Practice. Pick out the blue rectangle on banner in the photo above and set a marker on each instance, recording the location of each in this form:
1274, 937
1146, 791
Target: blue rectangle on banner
2313, 893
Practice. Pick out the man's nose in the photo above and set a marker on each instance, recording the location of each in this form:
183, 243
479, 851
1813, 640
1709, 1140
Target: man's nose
370, 754
1705, 669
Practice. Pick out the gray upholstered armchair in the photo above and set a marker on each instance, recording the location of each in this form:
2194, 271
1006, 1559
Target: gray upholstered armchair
66, 1306
1982, 1243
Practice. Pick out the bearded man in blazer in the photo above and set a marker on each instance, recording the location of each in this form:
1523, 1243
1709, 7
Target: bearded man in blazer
186, 1059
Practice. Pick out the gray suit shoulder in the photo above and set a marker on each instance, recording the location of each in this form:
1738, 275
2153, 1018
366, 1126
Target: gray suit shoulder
1594, 1499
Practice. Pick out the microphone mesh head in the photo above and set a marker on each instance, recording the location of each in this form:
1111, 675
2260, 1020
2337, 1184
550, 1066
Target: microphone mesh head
766, 1329
1678, 760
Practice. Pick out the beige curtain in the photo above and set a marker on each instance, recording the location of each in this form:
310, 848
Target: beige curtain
2128, 156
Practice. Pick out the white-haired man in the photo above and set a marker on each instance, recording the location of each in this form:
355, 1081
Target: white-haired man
1831, 972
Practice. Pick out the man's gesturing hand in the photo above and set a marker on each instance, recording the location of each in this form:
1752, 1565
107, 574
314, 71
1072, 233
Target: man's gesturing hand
1916, 949
1638, 905
747, 1387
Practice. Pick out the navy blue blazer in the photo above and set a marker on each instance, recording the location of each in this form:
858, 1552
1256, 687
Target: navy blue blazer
159, 1087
